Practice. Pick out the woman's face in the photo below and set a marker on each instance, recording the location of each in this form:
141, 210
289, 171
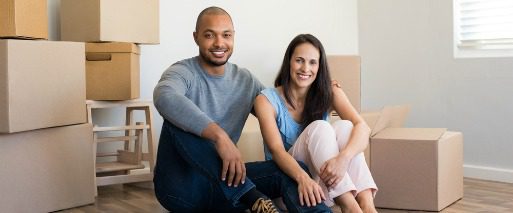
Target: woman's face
304, 65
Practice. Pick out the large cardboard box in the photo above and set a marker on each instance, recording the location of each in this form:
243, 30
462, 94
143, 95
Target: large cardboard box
134, 21
42, 84
24, 19
346, 70
47, 170
112, 71
415, 168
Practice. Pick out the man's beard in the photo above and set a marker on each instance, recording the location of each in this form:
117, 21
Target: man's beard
214, 63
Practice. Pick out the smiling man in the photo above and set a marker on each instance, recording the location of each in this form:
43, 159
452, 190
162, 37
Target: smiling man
205, 101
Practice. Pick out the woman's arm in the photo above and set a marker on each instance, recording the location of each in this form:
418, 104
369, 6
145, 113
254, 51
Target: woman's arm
359, 139
310, 193
334, 169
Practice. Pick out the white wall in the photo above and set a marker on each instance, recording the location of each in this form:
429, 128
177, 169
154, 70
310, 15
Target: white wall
263, 30
407, 57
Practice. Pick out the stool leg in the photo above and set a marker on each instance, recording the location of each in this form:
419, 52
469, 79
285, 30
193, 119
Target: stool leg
129, 120
95, 143
149, 135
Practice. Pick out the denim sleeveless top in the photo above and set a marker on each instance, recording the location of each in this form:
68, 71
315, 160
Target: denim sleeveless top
288, 127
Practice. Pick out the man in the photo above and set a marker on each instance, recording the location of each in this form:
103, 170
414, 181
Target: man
205, 101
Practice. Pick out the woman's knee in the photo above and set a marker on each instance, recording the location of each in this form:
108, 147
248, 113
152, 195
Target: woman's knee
319, 127
343, 125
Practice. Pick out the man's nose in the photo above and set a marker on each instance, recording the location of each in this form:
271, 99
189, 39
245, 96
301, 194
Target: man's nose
218, 41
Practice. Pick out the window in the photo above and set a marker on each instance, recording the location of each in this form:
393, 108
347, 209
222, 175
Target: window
483, 28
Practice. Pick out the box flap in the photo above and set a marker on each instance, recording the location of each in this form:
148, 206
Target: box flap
112, 47
391, 117
371, 118
420, 134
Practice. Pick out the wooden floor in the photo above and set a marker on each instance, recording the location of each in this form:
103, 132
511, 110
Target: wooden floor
479, 196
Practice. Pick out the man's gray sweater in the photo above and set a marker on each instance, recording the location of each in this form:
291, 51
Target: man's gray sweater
190, 98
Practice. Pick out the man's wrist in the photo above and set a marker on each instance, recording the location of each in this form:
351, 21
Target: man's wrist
214, 133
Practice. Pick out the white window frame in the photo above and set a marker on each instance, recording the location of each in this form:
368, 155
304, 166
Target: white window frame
473, 52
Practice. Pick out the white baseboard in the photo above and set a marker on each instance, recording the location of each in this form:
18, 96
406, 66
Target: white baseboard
488, 173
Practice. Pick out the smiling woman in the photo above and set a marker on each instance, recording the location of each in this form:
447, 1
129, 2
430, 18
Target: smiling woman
293, 121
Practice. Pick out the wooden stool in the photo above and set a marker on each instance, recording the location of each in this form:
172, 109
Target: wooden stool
130, 157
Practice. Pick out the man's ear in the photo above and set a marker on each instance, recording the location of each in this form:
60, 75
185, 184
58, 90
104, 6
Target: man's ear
195, 36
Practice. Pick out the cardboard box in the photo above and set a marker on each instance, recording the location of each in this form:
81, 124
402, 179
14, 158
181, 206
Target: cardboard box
47, 170
415, 168
251, 143
346, 70
42, 84
112, 71
26, 19
134, 21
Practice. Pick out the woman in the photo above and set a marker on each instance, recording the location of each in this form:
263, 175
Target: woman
293, 120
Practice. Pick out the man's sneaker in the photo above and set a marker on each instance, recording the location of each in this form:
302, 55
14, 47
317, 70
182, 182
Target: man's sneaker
264, 206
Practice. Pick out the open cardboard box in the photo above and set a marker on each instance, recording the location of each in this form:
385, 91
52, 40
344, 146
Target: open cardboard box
415, 168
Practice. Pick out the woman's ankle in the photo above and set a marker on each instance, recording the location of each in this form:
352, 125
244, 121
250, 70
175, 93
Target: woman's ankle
347, 203
365, 200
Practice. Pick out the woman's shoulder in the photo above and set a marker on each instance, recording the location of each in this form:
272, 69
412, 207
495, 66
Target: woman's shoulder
272, 96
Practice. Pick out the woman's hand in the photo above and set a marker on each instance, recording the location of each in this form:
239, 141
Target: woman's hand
310, 193
333, 170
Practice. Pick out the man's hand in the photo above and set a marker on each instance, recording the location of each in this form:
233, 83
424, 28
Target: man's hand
310, 193
233, 165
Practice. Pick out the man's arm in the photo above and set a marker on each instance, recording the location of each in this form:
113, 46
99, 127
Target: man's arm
170, 100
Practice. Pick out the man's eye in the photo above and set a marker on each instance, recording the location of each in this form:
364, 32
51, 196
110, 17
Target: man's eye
227, 35
209, 36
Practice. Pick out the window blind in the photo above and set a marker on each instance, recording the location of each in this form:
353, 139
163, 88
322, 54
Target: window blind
484, 24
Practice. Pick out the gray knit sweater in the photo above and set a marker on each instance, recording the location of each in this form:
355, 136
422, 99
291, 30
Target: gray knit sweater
190, 98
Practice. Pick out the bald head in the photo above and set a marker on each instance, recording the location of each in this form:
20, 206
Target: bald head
211, 11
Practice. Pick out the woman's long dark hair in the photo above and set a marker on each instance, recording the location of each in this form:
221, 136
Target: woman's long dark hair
318, 98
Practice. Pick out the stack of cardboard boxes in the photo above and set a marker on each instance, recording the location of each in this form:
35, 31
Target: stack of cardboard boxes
112, 30
45, 143
46, 150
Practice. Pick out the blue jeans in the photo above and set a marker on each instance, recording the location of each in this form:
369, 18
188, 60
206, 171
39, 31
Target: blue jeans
188, 177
